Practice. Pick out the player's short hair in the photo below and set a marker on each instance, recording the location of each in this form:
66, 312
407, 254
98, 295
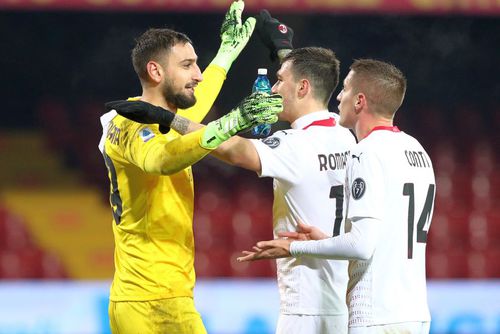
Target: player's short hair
383, 84
318, 65
153, 44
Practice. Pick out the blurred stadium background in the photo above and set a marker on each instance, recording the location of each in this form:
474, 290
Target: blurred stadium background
60, 60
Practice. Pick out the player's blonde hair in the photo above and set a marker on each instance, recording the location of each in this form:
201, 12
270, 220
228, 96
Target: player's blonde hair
383, 84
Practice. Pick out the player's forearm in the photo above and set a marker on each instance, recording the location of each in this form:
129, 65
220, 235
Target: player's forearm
175, 155
358, 244
239, 152
183, 125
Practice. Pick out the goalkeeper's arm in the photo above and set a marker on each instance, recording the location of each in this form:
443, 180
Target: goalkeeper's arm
234, 37
198, 140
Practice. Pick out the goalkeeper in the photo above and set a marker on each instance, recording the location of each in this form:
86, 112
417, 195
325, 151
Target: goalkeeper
151, 183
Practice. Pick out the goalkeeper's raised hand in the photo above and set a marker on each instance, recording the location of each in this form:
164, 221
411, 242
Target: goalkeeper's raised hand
276, 35
234, 35
258, 108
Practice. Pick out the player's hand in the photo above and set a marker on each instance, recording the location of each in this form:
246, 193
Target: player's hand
234, 35
142, 112
305, 232
272, 249
274, 34
257, 108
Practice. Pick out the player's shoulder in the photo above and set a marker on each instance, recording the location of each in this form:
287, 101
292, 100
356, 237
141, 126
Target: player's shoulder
273, 141
281, 139
366, 150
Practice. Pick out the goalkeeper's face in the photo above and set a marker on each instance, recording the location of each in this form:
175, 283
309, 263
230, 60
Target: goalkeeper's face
182, 76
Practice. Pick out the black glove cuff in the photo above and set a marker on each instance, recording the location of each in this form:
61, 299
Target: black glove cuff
166, 117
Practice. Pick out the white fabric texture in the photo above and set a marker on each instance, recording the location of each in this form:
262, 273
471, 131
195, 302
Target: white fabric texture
391, 186
311, 324
358, 244
105, 119
308, 167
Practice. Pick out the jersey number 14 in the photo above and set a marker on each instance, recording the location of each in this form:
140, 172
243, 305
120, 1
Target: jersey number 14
425, 215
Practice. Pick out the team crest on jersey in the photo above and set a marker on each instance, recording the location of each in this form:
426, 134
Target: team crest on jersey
358, 188
272, 142
146, 134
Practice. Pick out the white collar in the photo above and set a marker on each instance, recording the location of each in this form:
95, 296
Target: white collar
105, 119
307, 119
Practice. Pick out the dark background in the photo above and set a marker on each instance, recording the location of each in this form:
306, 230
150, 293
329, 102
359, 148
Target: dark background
450, 62
77, 59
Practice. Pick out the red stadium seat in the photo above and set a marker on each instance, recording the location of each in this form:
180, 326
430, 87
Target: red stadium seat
213, 263
21, 264
458, 227
52, 267
438, 238
13, 232
451, 263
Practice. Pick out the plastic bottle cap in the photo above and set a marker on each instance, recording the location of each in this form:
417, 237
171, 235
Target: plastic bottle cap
262, 71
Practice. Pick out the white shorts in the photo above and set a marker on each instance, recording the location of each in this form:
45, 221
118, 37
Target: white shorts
415, 327
312, 324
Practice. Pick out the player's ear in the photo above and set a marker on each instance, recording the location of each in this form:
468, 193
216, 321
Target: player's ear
360, 102
303, 88
155, 71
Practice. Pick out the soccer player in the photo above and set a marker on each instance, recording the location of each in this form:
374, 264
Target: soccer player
151, 178
308, 165
390, 190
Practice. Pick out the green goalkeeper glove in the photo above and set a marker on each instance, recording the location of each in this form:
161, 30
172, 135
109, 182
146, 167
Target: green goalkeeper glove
234, 35
258, 108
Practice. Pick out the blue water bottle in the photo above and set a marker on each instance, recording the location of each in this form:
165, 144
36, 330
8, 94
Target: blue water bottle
261, 84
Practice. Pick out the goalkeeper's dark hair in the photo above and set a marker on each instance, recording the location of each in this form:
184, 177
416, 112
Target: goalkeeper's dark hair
153, 44
383, 84
318, 65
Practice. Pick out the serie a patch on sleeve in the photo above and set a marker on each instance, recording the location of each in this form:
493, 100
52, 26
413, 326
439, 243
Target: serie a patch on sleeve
272, 142
146, 134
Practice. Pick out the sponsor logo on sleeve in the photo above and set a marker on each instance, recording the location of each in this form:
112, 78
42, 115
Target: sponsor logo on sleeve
358, 188
272, 142
146, 134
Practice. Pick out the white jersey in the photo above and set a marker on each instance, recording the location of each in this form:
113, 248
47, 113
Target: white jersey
390, 178
308, 164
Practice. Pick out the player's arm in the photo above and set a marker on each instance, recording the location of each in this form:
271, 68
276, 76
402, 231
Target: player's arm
357, 244
234, 37
160, 155
239, 151
167, 157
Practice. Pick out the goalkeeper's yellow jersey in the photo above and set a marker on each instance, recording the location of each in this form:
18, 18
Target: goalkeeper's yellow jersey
153, 211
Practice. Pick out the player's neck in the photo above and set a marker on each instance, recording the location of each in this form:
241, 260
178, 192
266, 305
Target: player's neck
157, 99
307, 108
367, 122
